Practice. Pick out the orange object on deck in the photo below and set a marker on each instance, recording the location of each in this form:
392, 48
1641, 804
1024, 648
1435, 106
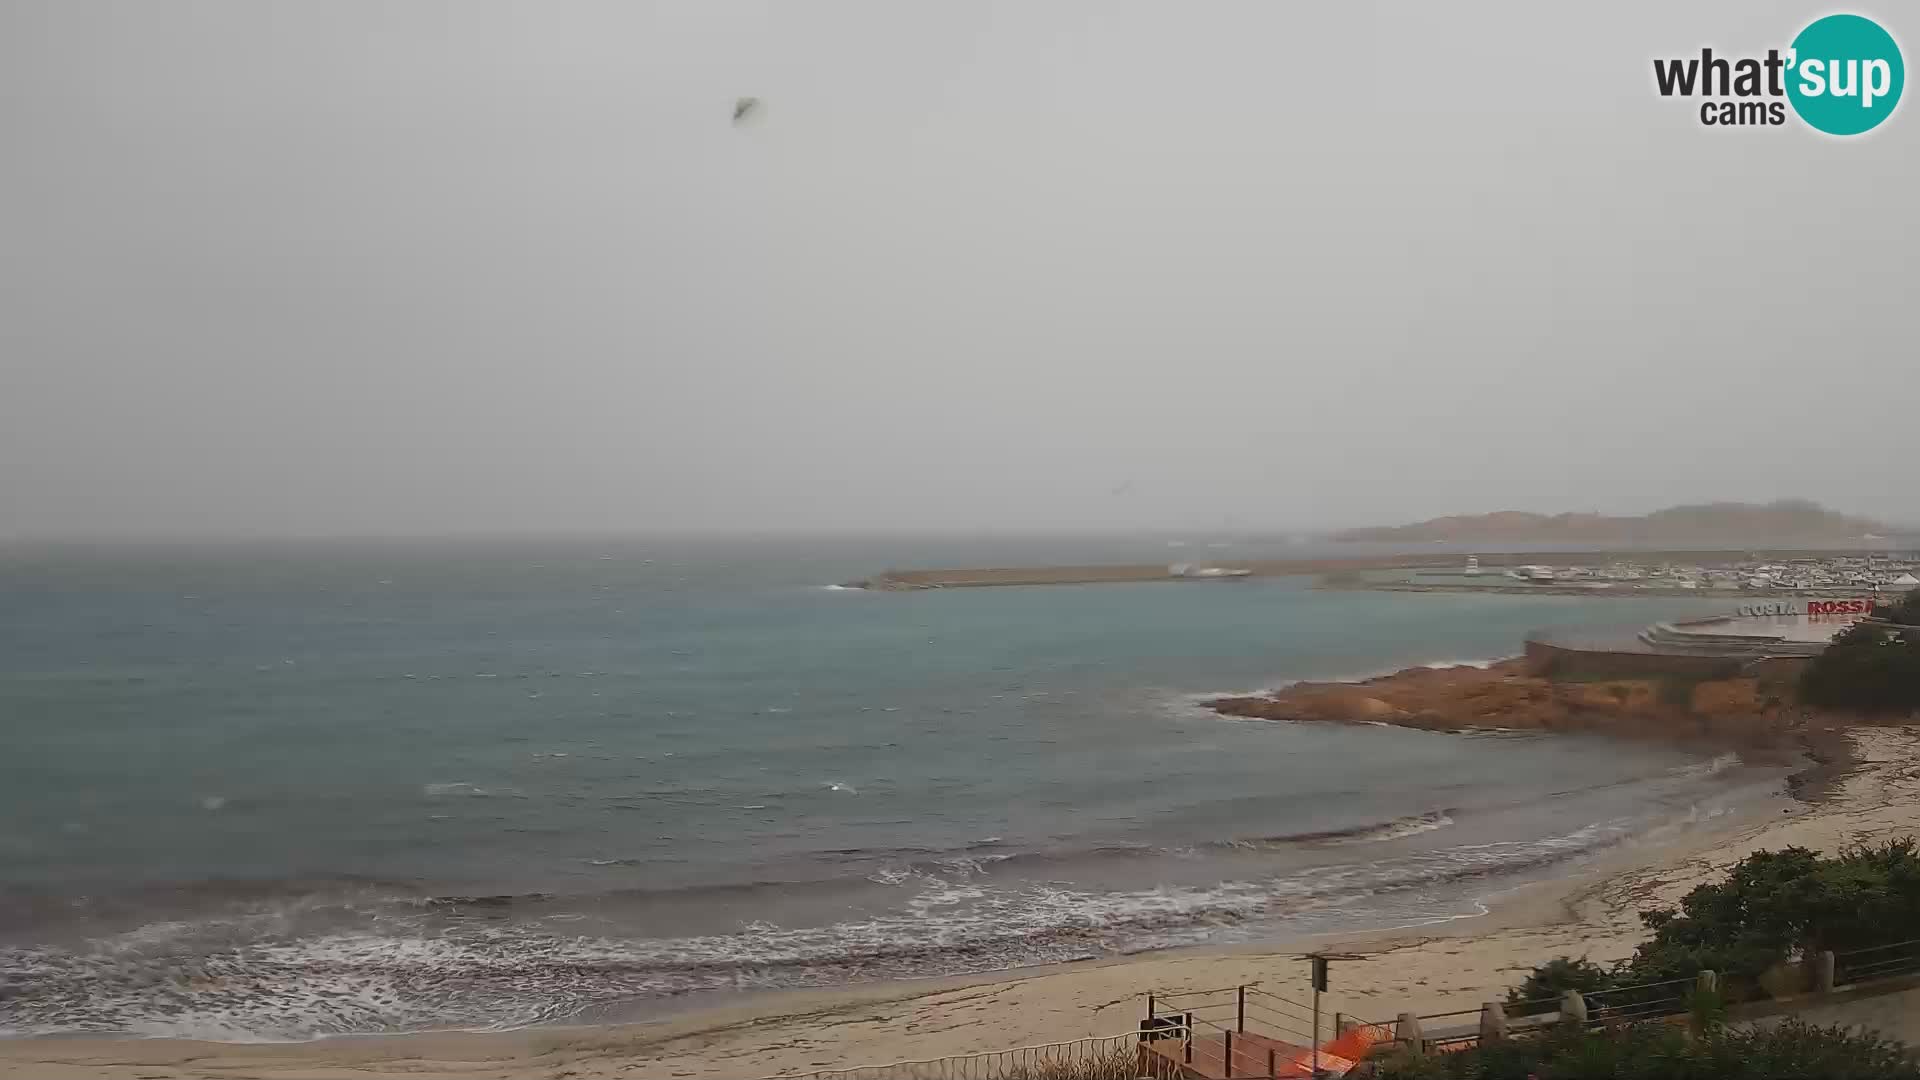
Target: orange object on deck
1254, 1054
1356, 1041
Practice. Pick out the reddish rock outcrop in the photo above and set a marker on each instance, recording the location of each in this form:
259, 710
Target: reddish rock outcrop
1740, 711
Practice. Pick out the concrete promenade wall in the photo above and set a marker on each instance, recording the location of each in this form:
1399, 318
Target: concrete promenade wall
1563, 662
1552, 661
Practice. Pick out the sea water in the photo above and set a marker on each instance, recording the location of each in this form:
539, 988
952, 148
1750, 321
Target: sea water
263, 792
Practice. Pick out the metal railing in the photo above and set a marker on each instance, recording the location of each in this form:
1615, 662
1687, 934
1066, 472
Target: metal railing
1876, 962
1657, 1001
1208, 1030
1245, 1032
1240, 1009
1206, 1022
1532, 1009
1104, 1057
1642, 1001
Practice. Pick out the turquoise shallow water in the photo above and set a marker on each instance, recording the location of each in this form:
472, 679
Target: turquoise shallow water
280, 791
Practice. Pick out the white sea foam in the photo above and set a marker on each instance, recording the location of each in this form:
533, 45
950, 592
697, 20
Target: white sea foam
1707, 769
250, 982
456, 787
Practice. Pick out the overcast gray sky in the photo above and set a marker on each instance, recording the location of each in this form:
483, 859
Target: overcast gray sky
365, 268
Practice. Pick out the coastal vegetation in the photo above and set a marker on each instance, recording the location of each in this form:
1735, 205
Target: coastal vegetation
1785, 519
1773, 908
1788, 1051
1872, 667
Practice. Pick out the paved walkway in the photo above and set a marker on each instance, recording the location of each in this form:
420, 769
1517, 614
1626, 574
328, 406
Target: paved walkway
1895, 1016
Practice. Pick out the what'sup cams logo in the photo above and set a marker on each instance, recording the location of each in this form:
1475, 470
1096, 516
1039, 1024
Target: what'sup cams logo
1842, 75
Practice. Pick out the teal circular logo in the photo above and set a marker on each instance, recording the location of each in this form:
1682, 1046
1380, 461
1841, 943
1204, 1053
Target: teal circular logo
1845, 74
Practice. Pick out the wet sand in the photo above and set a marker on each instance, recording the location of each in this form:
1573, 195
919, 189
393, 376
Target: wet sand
1444, 966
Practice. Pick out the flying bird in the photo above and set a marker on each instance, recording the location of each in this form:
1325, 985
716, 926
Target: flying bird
742, 108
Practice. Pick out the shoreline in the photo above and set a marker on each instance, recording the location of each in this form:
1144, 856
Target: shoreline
1452, 964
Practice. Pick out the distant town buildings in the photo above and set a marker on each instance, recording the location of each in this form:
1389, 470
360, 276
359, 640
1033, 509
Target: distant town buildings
1864, 573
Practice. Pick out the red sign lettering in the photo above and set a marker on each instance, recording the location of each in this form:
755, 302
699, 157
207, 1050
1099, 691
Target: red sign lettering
1839, 607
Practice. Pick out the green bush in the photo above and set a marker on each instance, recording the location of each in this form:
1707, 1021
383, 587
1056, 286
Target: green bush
1870, 667
1904, 610
1775, 905
1542, 990
1772, 907
1788, 1051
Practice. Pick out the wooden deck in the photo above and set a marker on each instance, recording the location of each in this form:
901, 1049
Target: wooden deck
1253, 1055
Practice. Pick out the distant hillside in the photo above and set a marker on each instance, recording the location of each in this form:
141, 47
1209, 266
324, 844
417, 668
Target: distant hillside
1788, 519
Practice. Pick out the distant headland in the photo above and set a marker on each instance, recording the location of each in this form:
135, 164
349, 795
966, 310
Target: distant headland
1786, 519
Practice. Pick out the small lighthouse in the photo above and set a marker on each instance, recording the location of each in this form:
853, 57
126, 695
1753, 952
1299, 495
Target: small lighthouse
1473, 566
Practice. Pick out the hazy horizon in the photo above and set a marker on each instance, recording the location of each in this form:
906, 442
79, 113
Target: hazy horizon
1900, 530
510, 269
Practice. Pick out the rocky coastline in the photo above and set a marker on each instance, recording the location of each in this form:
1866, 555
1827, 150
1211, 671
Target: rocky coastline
1761, 720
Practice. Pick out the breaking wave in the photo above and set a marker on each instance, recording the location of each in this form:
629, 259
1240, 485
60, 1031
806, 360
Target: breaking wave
410, 965
1198, 699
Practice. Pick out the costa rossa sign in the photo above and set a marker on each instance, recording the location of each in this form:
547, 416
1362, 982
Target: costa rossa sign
1839, 607
1810, 607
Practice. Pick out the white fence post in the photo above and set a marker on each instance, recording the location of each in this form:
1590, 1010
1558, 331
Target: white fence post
1407, 1030
1493, 1022
1573, 1008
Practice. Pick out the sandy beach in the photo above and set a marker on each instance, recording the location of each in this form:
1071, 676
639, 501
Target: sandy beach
1444, 966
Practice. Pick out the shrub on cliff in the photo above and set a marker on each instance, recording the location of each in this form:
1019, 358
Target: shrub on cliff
1869, 667
1788, 1051
1904, 610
